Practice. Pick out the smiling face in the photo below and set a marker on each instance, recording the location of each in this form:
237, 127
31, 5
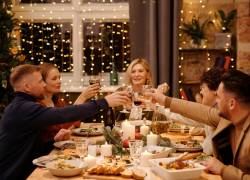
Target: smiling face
139, 75
208, 95
53, 81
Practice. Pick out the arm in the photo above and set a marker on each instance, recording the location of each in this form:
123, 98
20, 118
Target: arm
88, 93
195, 111
232, 173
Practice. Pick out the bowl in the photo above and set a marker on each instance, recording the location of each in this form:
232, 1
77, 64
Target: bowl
66, 168
189, 173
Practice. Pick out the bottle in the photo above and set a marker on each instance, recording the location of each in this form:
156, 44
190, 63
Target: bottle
110, 118
113, 75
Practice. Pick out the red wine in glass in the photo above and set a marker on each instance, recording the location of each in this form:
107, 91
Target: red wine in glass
137, 102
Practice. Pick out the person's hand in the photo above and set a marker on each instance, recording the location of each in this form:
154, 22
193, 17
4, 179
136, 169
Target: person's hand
88, 93
157, 97
118, 98
62, 135
162, 88
214, 166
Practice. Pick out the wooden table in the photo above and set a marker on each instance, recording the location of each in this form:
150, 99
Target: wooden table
44, 174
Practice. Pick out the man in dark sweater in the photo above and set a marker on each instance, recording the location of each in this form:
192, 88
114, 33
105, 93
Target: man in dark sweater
24, 118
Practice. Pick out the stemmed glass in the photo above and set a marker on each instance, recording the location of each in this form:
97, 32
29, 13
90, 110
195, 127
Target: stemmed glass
129, 89
135, 149
147, 99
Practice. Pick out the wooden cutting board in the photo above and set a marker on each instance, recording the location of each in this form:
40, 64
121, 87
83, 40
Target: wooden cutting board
104, 177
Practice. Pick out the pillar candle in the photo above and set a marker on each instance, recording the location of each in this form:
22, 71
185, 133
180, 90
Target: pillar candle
90, 160
145, 156
144, 130
106, 150
128, 131
92, 149
152, 139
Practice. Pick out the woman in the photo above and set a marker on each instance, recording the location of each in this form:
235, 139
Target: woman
51, 77
138, 74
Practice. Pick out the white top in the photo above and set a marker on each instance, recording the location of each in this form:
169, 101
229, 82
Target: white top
207, 144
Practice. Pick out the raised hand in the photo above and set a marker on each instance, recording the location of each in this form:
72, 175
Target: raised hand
89, 92
163, 88
118, 98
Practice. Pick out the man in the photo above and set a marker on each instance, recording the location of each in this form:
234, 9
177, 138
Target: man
232, 122
24, 118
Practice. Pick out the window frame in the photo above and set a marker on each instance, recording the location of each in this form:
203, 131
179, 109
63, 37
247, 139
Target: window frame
74, 12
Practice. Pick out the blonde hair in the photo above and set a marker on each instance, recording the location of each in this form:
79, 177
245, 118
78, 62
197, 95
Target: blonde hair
146, 66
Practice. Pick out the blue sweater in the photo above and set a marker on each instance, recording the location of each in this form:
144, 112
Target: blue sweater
20, 128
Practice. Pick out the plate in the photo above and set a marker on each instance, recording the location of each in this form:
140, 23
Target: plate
65, 144
66, 168
165, 174
184, 148
43, 160
87, 132
159, 151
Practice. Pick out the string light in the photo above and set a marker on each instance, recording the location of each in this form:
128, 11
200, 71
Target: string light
190, 9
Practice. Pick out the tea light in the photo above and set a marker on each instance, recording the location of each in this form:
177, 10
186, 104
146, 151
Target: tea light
90, 160
106, 150
145, 156
144, 130
92, 149
152, 139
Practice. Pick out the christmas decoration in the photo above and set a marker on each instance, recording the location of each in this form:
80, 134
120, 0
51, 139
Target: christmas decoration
9, 53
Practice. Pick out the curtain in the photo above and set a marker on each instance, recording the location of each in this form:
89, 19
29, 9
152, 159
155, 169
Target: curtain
154, 36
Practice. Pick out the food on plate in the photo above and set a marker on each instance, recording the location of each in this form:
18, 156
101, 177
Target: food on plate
190, 156
118, 160
92, 131
177, 165
176, 127
159, 127
63, 165
188, 144
202, 157
104, 169
65, 144
176, 136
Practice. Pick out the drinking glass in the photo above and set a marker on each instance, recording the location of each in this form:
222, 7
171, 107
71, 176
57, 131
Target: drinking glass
81, 147
146, 89
129, 89
135, 149
94, 80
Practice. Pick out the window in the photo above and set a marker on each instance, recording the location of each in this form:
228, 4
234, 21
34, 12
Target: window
82, 37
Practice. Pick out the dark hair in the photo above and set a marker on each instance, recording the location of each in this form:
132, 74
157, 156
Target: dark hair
238, 83
45, 69
19, 72
212, 78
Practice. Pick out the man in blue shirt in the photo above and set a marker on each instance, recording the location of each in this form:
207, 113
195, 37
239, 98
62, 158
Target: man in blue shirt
24, 118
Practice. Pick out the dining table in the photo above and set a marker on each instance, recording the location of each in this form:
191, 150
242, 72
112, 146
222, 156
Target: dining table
42, 173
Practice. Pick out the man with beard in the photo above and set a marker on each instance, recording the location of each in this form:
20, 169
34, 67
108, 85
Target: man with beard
231, 138
24, 119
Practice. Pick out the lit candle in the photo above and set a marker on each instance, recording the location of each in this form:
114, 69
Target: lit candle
128, 130
92, 150
144, 130
152, 139
106, 150
145, 156
90, 160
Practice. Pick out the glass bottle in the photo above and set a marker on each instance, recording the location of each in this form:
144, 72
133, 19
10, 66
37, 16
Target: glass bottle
113, 75
110, 118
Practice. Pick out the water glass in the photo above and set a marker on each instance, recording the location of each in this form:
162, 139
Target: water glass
135, 149
81, 147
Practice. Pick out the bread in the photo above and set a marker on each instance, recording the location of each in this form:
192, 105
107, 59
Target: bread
127, 173
139, 174
191, 156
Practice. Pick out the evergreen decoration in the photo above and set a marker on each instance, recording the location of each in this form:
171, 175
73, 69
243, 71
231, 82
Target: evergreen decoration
114, 137
195, 30
9, 56
226, 21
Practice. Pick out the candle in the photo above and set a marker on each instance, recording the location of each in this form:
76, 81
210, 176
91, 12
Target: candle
152, 139
145, 156
106, 150
144, 130
92, 150
90, 160
128, 130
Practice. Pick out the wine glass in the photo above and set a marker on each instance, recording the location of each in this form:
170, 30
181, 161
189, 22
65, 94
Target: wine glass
147, 99
129, 89
135, 149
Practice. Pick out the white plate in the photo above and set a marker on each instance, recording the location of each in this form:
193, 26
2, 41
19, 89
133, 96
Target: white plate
43, 160
78, 167
65, 144
166, 174
159, 151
